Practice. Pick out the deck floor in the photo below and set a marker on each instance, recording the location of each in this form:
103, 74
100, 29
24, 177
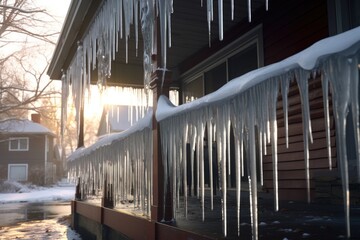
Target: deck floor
294, 220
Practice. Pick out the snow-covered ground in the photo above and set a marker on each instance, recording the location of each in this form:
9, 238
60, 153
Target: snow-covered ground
61, 191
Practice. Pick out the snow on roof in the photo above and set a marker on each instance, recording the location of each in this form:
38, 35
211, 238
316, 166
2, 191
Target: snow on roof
23, 126
346, 43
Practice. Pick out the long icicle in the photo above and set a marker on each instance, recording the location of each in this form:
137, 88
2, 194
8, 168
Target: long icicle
284, 92
302, 80
273, 100
252, 163
325, 92
338, 68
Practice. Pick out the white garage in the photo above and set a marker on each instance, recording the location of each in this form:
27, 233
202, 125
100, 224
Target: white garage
17, 172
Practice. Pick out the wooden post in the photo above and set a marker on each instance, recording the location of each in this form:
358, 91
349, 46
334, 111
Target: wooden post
157, 208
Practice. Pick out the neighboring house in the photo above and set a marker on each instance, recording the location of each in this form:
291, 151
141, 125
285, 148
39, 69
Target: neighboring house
27, 152
199, 63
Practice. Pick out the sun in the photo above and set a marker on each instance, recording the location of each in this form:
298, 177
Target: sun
115, 96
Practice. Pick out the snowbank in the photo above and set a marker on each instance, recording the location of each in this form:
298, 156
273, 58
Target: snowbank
60, 192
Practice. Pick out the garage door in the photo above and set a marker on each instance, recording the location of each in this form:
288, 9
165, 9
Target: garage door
18, 172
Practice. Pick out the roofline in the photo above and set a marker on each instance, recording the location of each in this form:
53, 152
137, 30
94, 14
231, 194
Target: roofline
30, 133
70, 34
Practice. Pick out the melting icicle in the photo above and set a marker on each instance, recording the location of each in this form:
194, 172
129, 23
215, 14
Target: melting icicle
249, 10
325, 91
338, 68
252, 165
221, 19
185, 137
120, 164
210, 152
273, 92
302, 80
232, 9
284, 92
354, 99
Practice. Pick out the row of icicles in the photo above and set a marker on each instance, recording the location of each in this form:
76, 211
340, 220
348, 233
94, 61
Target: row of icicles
250, 110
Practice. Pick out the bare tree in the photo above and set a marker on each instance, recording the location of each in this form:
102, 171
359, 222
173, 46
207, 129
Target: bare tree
21, 17
23, 64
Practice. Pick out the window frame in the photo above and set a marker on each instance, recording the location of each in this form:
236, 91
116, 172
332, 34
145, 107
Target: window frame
19, 149
254, 36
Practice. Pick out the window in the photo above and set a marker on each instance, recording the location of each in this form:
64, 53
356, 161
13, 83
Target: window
19, 144
215, 78
239, 57
194, 89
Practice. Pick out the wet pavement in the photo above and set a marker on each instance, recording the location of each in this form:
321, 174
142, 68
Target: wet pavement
39, 220
48, 229
13, 213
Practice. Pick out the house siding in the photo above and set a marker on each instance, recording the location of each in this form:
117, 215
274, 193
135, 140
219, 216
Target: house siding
291, 169
289, 27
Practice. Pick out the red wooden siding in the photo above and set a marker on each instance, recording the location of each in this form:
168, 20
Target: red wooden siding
292, 183
291, 26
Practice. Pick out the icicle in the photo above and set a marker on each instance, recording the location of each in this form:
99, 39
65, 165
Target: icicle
210, 152
192, 152
273, 92
354, 99
252, 165
185, 137
325, 91
198, 163
165, 10
302, 77
136, 17
209, 19
228, 143
221, 150
267, 5
232, 10
202, 171
249, 10
338, 68
238, 180
284, 92
221, 19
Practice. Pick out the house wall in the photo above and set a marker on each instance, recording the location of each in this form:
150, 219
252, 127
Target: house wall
292, 183
288, 28
34, 157
291, 26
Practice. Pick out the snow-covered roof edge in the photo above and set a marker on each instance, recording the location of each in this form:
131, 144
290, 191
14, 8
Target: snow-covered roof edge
23, 126
110, 138
345, 43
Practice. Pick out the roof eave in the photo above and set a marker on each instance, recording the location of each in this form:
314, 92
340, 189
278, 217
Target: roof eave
69, 35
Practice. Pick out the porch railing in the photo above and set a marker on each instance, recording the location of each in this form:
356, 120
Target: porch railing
247, 105
118, 167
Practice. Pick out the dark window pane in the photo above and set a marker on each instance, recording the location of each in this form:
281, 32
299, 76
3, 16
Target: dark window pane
13, 144
194, 89
23, 143
243, 62
215, 78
